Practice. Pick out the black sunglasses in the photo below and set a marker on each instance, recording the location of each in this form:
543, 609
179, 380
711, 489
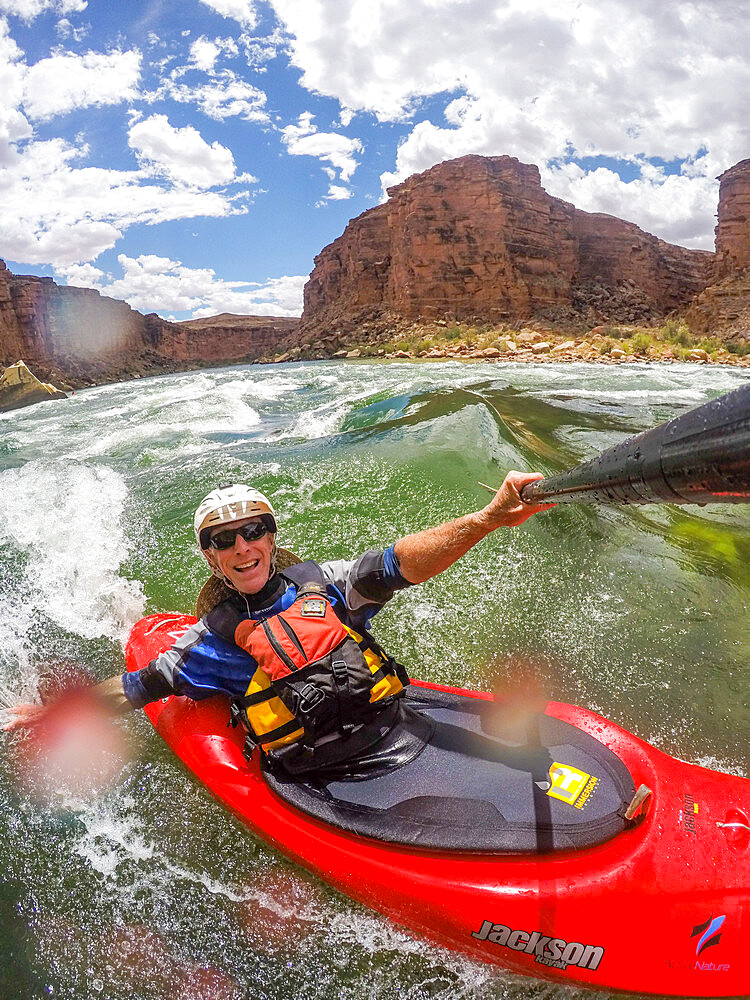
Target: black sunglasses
251, 532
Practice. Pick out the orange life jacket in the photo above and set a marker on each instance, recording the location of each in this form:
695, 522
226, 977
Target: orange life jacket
316, 679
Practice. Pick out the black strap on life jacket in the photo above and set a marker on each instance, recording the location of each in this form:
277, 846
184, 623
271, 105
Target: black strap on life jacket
341, 678
308, 578
237, 717
305, 574
389, 664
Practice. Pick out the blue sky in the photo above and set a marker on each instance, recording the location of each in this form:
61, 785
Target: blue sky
192, 157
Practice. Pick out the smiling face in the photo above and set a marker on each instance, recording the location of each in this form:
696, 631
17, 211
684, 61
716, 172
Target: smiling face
247, 565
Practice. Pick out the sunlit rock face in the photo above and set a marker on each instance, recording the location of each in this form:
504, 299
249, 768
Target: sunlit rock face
479, 239
733, 229
83, 334
222, 338
41, 319
20, 387
723, 309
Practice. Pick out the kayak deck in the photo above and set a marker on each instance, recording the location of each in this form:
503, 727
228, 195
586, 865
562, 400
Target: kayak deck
450, 777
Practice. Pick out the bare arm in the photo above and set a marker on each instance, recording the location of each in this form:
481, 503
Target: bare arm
427, 553
109, 694
112, 696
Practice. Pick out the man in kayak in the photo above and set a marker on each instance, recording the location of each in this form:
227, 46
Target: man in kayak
290, 643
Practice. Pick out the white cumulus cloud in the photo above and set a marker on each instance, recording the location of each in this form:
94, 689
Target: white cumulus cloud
337, 192
260, 49
65, 29
82, 275
242, 11
303, 139
204, 52
158, 284
219, 93
13, 123
56, 212
66, 81
224, 96
29, 9
181, 154
679, 208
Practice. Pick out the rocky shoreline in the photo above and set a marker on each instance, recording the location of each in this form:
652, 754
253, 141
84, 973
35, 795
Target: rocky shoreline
531, 347
516, 357
601, 345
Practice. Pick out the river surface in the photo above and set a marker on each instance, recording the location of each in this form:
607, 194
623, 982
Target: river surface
148, 889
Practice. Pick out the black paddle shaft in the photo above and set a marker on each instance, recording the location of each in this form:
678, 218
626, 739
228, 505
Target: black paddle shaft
701, 457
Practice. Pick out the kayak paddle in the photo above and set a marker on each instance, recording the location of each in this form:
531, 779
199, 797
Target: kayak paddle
700, 457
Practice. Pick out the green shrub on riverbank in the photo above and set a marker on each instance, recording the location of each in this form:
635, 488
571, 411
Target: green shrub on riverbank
670, 340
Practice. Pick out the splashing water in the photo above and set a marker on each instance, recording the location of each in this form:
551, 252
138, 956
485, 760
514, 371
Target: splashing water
63, 544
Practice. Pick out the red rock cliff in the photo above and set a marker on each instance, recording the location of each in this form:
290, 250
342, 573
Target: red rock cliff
478, 238
40, 320
90, 336
226, 337
723, 309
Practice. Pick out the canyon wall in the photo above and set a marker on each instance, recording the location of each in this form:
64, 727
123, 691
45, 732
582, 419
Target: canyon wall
83, 335
223, 338
40, 321
723, 309
478, 239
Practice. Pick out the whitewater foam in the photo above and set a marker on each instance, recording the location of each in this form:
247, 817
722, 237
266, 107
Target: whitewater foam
65, 524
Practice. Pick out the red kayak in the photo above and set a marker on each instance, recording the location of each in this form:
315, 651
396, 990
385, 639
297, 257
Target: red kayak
541, 853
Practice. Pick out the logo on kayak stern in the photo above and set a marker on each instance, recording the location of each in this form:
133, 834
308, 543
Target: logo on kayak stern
570, 785
710, 936
556, 953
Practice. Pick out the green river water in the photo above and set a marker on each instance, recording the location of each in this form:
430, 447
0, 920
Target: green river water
149, 890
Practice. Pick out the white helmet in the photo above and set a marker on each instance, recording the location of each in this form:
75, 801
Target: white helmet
231, 503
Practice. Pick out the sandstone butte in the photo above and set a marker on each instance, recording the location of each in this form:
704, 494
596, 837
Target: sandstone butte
479, 240
723, 308
76, 336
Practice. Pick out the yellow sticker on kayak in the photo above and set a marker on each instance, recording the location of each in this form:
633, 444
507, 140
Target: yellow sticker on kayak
567, 783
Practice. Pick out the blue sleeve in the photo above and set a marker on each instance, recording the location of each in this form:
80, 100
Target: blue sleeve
365, 584
200, 664
392, 570
136, 691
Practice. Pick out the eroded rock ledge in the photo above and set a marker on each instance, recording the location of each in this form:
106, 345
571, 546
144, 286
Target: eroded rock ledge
20, 387
723, 309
